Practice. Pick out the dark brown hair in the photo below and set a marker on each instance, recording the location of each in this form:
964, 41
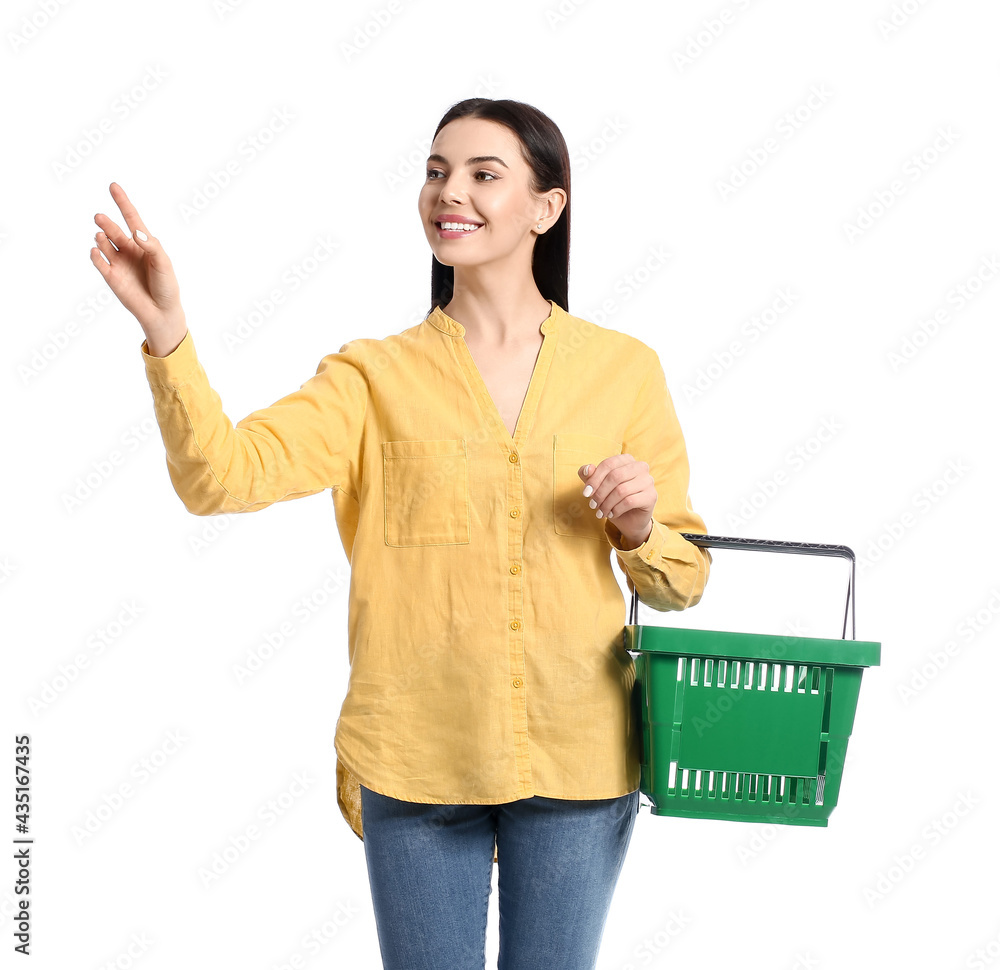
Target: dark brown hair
544, 149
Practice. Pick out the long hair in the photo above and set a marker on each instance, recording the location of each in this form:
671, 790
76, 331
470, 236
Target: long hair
544, 149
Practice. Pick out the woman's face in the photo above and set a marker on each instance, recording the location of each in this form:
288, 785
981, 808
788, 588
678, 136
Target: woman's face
491, 191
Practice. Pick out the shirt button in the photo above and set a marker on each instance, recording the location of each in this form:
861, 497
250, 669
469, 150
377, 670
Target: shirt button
649, 556
514, 513
515, 569
513, 456
514, 625
517, 682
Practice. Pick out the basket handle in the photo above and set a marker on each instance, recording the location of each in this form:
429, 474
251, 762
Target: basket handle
772, 545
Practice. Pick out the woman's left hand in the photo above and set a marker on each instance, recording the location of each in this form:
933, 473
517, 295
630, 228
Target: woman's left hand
622, 490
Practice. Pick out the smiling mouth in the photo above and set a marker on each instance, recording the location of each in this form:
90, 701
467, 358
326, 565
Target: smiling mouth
455, 230
456, 226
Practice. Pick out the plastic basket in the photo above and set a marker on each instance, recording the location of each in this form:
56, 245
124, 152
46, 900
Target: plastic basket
746, 727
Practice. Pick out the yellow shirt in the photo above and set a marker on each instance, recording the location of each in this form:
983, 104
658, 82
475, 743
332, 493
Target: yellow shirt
485, 620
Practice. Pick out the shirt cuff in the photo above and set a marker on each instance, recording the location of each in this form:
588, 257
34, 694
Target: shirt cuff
661, 543
647, 551
176, 368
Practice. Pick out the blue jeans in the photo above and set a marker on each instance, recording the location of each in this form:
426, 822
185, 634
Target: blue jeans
431, 867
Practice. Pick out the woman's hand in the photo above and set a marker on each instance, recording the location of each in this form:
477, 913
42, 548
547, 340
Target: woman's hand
140, 275
621, 489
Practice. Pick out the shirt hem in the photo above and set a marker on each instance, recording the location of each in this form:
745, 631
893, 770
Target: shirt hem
382, 790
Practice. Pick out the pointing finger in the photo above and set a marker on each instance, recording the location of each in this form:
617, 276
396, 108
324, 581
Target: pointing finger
129, 213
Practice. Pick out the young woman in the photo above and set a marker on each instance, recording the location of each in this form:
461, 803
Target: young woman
483, 465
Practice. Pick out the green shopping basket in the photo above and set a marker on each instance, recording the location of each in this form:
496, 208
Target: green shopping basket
746, 727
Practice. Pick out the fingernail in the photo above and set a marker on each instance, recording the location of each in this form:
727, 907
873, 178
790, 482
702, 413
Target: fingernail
589, 490
593, 504
599, 513
139, 234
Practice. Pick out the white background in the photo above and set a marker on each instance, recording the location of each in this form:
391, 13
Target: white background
659, 108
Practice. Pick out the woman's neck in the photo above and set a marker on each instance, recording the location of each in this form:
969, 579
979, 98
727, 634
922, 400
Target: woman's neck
495, 325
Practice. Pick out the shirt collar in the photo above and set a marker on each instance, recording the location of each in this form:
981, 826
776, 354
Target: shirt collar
438, 318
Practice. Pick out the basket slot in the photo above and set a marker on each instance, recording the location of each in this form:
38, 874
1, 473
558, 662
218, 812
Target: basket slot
799, 791
743, 787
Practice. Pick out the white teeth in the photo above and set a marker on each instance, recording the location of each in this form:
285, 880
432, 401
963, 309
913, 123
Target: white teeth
464, 226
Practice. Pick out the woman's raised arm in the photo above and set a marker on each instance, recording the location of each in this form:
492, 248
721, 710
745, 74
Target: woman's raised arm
305, 442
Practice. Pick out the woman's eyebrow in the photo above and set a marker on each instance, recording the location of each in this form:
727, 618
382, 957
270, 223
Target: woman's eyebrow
476, 160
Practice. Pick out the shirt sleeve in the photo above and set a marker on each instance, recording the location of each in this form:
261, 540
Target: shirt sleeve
668, 571
306, 442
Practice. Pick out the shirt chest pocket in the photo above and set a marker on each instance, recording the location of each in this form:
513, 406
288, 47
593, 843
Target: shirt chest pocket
572, 514
426, 492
